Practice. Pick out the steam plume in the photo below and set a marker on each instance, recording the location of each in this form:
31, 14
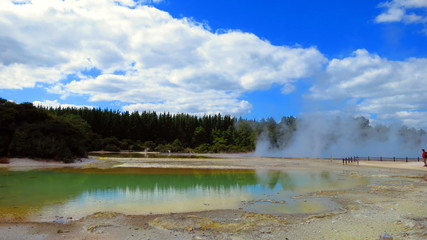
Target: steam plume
315, 135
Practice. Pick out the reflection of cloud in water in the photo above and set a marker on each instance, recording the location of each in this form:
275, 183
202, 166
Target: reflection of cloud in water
299, 182
145, 202
174, 191
274, 185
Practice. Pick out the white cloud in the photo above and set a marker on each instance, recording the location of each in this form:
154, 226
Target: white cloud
210, 102
406, 11
409, 118
288, 88
391, 15
174, 63
56, 104
18, 76
377, 85
179, 65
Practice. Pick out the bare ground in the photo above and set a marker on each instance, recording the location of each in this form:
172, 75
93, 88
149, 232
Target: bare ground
394, 205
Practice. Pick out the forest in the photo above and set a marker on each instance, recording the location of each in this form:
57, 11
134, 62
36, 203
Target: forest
68, 133
27, 131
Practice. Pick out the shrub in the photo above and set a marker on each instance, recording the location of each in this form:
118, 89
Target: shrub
111, 148
204, 148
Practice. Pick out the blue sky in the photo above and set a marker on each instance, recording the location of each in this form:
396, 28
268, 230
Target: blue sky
255, 59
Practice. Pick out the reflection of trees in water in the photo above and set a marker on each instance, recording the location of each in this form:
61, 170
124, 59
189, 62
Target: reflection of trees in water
47, 186
44, 186
289, 181
325, 175
272, 178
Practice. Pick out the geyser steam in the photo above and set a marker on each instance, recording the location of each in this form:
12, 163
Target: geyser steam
319, 136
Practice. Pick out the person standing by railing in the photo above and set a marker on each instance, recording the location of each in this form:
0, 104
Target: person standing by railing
424, 155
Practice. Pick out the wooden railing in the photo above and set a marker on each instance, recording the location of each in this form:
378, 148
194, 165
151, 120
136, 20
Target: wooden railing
356, 159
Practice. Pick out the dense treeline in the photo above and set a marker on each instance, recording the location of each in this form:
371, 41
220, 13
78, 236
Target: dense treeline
67, 133
180, 132
26, 131
114, 130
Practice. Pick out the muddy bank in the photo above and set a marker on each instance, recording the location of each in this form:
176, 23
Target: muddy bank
393, 203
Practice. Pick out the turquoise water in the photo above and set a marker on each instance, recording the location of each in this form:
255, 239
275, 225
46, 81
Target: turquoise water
54, 194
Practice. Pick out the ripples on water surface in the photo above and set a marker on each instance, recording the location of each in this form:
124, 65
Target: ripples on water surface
45, 195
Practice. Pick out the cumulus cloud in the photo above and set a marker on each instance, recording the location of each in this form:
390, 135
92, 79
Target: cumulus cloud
56, 104
18, 76
146, 58
210, 102
406, 11
394, 90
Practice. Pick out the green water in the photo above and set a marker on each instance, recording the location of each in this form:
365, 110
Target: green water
51, 195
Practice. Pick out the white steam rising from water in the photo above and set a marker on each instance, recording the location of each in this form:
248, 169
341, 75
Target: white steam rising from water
322, 137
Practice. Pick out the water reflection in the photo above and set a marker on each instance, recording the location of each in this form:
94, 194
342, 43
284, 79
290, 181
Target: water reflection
44, 194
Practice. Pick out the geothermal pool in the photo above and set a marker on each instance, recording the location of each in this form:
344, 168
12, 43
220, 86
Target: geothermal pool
66, 194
